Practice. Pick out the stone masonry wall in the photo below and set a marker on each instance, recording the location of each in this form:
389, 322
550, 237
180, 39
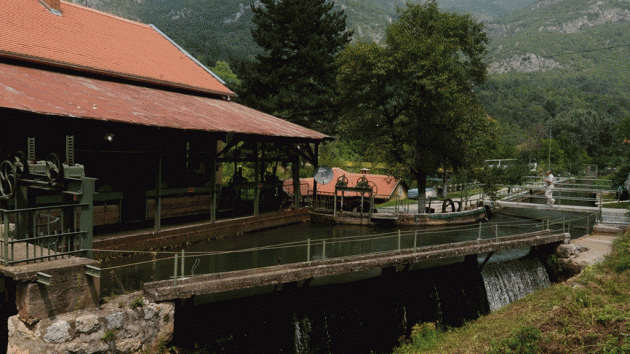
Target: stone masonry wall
126, 324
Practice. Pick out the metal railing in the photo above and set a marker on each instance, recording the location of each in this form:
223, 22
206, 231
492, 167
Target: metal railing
37, 234
177, 265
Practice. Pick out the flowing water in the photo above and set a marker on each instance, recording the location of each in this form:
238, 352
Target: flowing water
510, 281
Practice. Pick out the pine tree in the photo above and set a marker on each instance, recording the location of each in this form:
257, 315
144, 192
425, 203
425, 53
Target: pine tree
295, 77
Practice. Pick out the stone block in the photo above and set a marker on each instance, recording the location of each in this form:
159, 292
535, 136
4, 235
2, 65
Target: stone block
82, 331
129, 345
87, 324
99, 348
58, 332
115, 320
70, 289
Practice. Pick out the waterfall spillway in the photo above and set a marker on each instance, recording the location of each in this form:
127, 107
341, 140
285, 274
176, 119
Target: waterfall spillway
510, 281
373, 312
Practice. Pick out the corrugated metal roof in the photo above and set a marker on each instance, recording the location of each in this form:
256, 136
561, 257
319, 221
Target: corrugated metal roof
51, 93
86, 39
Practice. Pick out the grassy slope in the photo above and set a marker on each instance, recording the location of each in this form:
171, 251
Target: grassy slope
587, 314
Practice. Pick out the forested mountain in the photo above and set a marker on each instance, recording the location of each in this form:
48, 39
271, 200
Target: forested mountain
220, 29
562, 67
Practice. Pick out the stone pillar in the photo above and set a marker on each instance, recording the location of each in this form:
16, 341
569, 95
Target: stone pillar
70, 289
126, 324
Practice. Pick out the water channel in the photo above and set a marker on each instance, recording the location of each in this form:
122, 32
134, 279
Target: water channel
302, 242
366, 315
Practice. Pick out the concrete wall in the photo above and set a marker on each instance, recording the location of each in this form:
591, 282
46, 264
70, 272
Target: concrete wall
126, 324
70, 289
170, 237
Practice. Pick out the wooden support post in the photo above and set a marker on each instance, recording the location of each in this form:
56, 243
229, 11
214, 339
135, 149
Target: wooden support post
295, 169
24, 220
158, 196
87, 213
257, 181
316, 166
213, 181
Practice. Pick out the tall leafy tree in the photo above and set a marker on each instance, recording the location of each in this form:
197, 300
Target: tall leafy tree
295, 77
412, 95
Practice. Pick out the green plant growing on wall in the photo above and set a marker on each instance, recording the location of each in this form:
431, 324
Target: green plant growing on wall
109, 336
138, 302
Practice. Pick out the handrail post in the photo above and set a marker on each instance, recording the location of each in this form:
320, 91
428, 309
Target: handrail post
6, 238
399, 240
183, 258
415, 240
323, 250
479, 236
308, 250
175, 270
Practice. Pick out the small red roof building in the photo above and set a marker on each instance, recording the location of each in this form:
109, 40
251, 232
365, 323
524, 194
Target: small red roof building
386, 187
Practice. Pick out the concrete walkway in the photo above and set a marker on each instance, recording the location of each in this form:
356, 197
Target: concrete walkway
597, 248
597, 245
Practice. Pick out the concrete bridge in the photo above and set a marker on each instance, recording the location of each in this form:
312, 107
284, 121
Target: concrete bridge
306, 271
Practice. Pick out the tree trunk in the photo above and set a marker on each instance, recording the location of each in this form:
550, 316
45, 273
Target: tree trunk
445, 185
421, 178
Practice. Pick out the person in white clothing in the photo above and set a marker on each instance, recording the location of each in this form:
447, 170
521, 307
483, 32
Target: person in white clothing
550, 180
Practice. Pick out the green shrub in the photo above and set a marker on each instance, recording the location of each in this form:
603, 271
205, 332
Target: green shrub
423, 335
522, 341
138, 302
620, 262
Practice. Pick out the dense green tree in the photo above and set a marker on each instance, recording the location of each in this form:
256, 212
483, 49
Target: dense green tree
412, 96
222, 69
294, 77
588, 129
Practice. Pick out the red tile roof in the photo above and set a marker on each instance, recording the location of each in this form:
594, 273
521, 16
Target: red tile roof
57, 94
385, 185
86, 39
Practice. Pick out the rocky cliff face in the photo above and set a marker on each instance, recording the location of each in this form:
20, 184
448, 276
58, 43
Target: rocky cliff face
594, 16
523, 63
548, 18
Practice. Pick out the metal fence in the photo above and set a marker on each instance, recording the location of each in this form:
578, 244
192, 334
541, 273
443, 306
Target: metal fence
154, 266
37, 234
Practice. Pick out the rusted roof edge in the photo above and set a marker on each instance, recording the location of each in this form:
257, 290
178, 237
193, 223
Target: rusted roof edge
113, 74
240, 135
